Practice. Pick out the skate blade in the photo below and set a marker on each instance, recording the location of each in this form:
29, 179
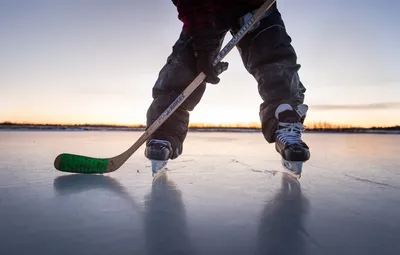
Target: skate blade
293, 168
157, 165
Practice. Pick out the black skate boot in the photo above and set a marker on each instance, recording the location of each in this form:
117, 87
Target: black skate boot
288, 137
159, 152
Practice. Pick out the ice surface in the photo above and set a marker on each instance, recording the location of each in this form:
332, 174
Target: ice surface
224, 195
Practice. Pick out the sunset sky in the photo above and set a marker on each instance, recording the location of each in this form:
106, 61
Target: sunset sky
95, 61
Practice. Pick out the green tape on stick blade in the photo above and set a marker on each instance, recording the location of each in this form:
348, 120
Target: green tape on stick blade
82, 164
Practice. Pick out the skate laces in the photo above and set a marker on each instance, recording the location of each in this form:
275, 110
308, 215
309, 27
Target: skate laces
290, 133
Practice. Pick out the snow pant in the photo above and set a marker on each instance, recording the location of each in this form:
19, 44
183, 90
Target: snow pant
267, 55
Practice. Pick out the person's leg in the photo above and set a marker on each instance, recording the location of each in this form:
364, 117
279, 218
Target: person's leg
179, 71
268, 55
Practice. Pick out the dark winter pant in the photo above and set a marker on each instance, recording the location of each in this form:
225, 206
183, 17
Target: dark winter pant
267, 54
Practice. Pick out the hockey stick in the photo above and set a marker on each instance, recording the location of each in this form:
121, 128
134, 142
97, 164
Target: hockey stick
87, 165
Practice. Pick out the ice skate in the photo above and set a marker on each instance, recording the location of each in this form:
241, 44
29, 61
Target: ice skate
293, 168
288, 141
159, 152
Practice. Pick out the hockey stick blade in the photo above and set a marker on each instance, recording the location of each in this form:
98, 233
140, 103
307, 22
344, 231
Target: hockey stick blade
89, 165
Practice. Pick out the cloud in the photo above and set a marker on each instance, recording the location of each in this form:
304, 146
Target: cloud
374, 106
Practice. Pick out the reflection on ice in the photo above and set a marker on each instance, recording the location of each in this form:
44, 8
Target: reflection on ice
281, 228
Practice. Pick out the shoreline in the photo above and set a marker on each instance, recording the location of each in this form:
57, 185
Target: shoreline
105, 128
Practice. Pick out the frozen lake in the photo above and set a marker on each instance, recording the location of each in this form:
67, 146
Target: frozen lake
224, 195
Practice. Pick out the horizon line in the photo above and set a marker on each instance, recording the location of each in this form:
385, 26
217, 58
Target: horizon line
243, 125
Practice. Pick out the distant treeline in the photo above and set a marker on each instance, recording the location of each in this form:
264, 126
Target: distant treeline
312, 127
8, 123
12, 125
325, 126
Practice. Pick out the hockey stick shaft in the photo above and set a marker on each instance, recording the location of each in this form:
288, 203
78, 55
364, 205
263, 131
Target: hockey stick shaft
82, 164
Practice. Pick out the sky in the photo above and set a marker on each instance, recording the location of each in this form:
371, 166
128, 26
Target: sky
96, 61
